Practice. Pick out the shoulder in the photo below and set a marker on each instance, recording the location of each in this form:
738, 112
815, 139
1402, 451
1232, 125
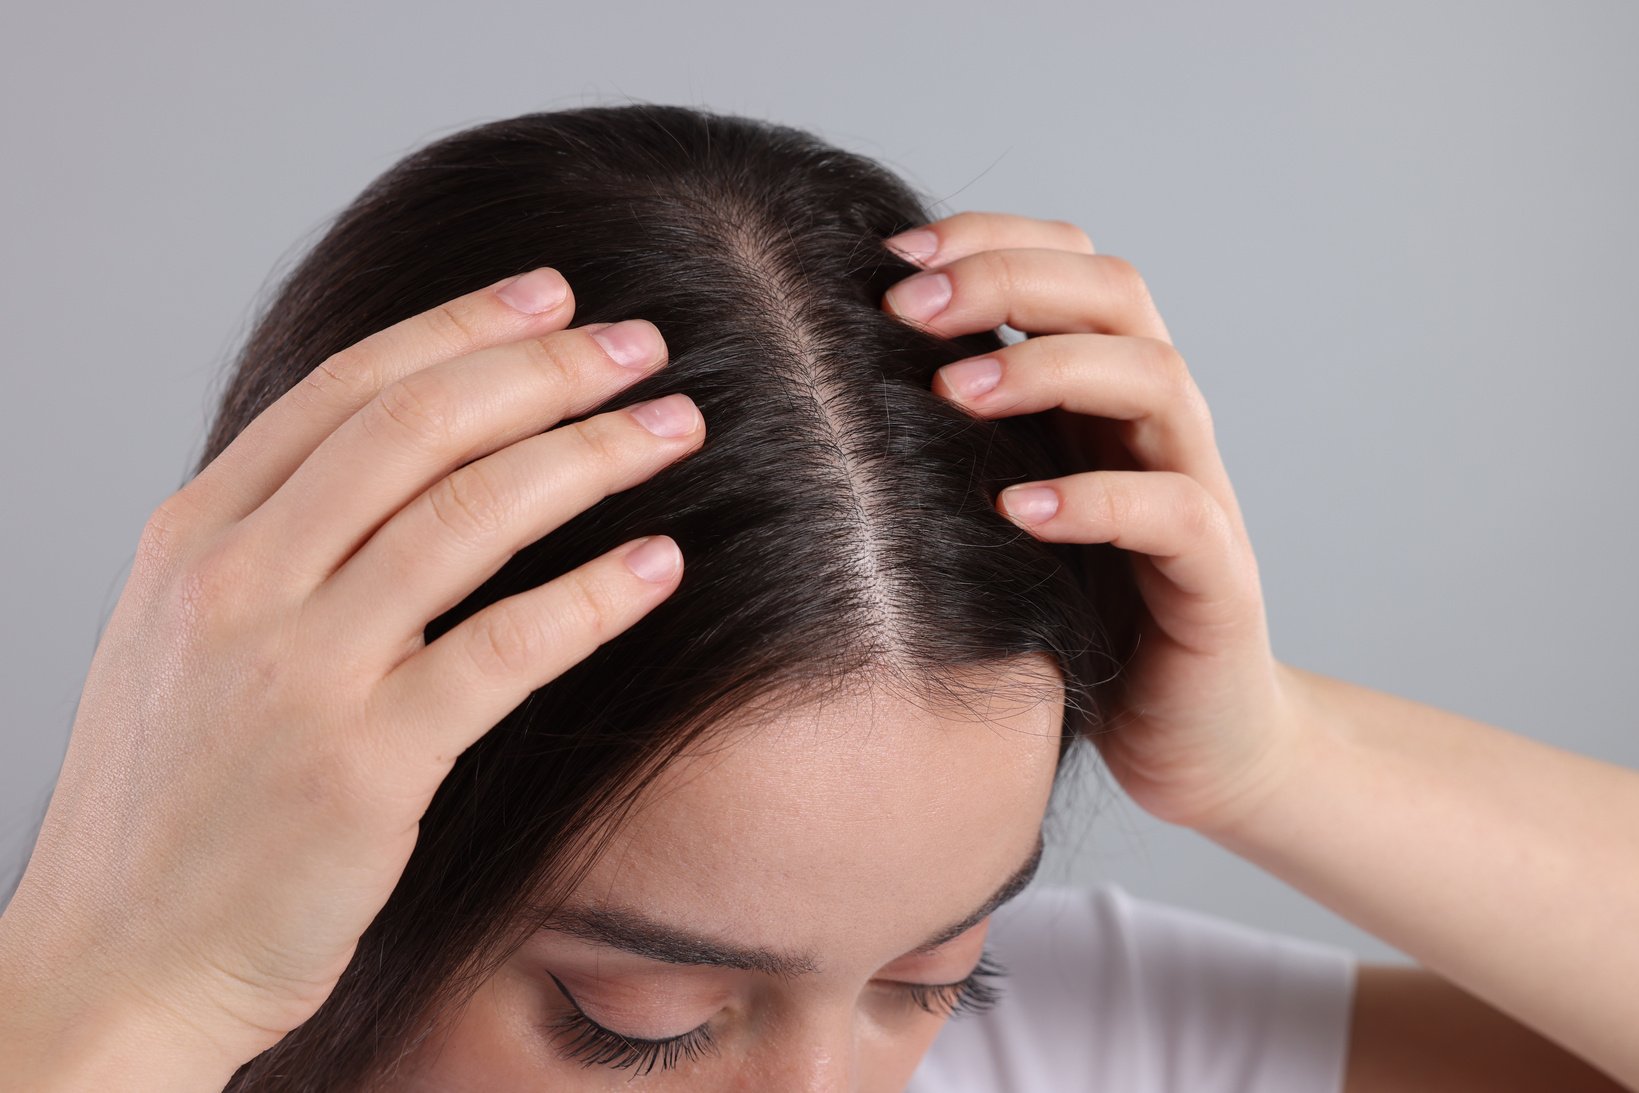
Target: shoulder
1106, 990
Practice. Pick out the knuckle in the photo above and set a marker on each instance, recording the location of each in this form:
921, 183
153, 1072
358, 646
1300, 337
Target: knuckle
597, 442
548, 355
1120, 269
453, 326
418, 407
1178, 382
505, 644
215, 584
1127, 279
1075, 233
470, 504
1164, 359
589, 608
997, 268
977, 230
338, 377
1111, 501
1203, 517
160, 545
1197, 410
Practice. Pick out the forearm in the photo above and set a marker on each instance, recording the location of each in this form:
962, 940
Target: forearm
59, 1035
1508, 866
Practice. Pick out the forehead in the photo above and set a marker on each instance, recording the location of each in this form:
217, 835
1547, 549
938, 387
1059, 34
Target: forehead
872, 818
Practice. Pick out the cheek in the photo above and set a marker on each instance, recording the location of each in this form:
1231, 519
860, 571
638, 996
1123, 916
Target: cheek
887, 1063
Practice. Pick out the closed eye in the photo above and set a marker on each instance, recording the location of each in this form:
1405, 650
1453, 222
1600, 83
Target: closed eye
976, 993
584, 1040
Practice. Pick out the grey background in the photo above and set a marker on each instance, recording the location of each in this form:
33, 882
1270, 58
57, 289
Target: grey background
1394, 240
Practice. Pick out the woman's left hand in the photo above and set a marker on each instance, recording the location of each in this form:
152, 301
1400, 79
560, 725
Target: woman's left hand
1204, 723
1485, 835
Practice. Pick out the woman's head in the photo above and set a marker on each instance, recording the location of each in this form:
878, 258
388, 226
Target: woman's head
833, 740
768, 900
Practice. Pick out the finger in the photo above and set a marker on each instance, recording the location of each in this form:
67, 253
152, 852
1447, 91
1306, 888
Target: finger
425, 424
1142, 383
1208, 575
269, 449
458, 533
440, 700
1035, 290
971, 231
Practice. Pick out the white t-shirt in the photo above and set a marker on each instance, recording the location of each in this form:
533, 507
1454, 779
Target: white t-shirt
1107, 993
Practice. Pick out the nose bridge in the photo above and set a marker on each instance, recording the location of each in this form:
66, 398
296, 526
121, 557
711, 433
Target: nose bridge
819, 1054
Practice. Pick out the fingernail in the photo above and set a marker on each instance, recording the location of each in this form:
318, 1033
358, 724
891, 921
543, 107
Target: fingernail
536, 291
921, 297
970, 379
672, 415
918, 246
630, 342
655, 559
1032, 504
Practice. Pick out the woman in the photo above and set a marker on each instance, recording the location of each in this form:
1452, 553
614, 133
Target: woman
742, 697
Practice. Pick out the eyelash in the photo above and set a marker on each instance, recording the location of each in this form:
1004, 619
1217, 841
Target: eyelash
975, 994
593, 1045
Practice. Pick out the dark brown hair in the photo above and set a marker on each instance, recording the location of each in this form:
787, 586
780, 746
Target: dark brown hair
838, 520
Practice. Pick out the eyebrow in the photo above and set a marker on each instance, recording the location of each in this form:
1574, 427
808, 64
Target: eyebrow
1018, 882
634, 933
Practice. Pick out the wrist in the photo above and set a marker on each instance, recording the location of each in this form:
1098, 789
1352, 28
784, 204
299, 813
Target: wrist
60, 1033
1312, 743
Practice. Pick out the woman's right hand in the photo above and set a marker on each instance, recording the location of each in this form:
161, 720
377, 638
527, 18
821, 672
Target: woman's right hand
263, 724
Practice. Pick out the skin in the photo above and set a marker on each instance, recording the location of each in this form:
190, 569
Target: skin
263, 732
853, 832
